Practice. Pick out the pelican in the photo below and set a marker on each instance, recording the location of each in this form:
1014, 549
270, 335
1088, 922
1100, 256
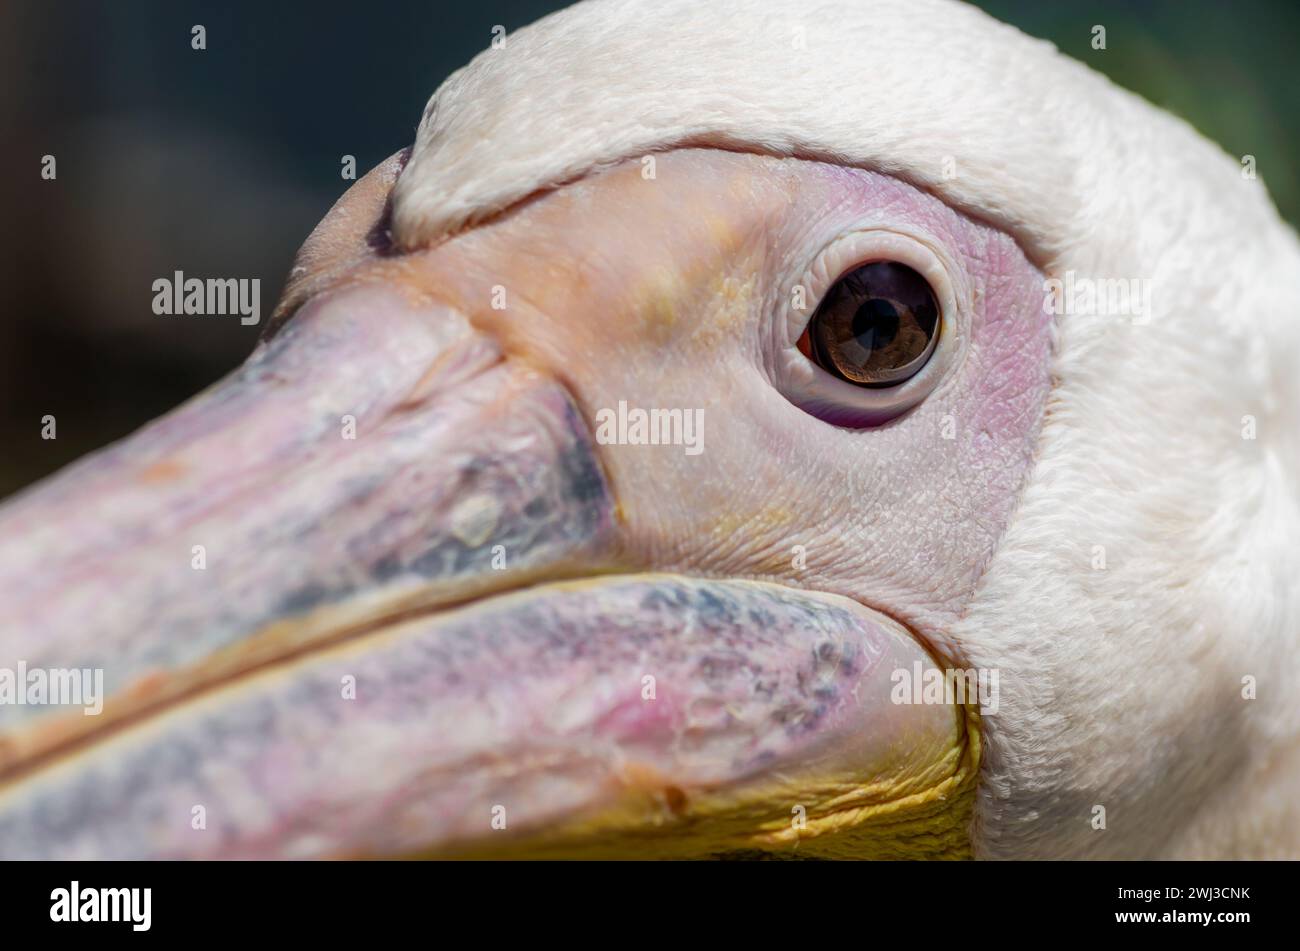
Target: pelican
642, 463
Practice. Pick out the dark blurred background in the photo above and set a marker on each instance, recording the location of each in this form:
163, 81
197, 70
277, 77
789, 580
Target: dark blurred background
219, 162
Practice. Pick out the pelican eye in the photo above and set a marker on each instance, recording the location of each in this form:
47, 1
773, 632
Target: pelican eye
876, 326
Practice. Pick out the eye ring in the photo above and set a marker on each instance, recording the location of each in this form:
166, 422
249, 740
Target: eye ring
835, 398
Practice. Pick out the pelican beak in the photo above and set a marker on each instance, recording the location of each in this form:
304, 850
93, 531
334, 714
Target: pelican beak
374, 594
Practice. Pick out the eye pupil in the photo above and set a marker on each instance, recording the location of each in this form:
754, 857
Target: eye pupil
877, 326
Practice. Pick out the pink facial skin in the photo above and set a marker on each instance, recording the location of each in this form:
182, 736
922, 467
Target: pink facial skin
674, 292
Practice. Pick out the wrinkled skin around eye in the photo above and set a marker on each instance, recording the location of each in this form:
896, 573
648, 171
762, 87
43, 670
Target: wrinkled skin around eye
674, 292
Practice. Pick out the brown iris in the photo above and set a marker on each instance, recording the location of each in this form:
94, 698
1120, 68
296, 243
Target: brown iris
877, 325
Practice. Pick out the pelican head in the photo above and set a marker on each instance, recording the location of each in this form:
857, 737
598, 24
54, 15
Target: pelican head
843, 429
